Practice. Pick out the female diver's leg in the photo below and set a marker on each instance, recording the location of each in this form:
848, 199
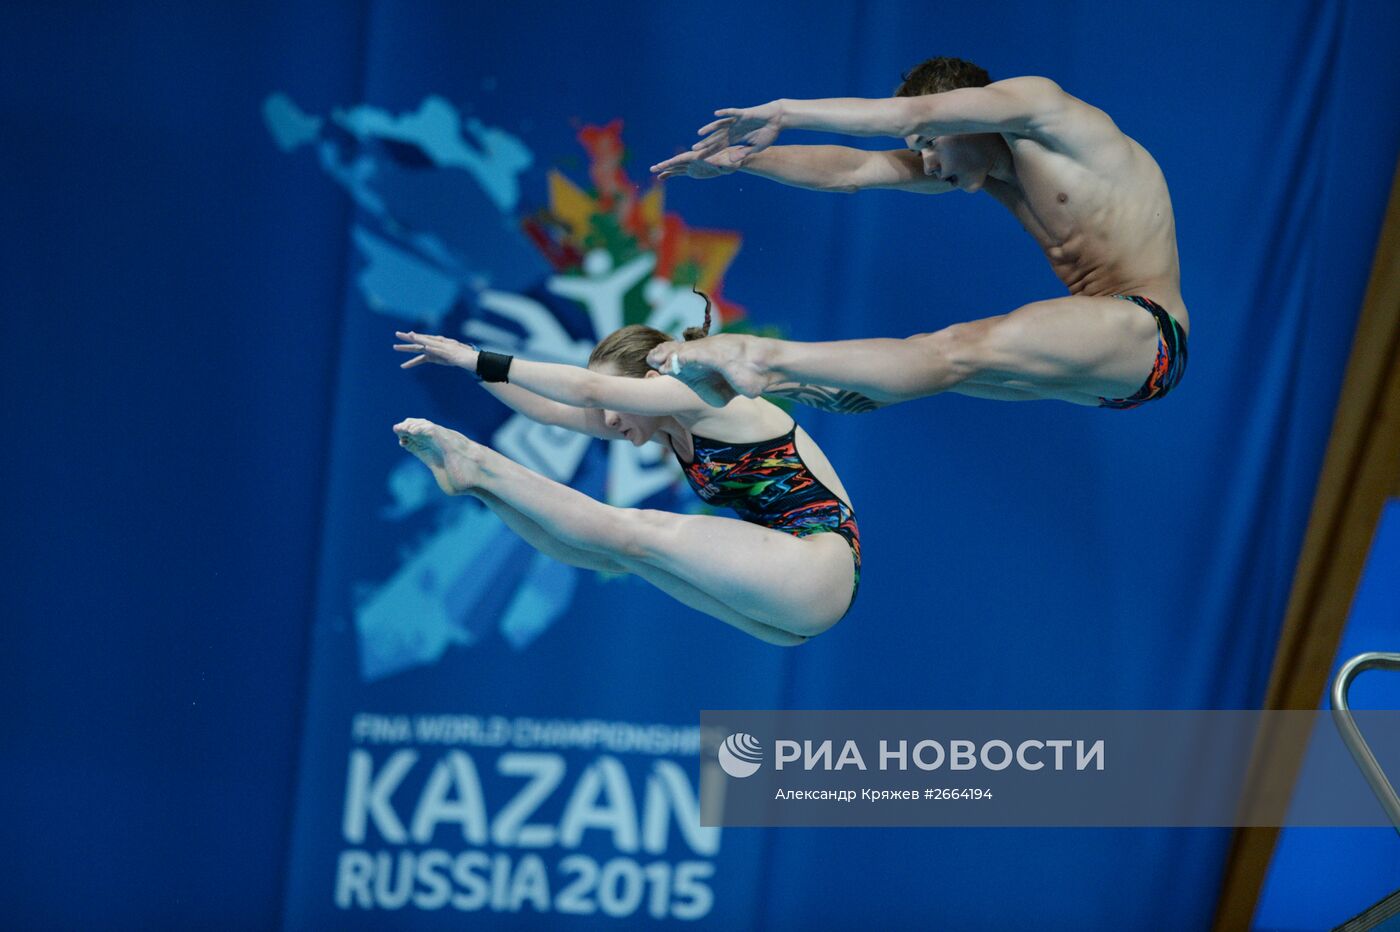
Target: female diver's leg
540, 538
801, 586
545, 542
688, 595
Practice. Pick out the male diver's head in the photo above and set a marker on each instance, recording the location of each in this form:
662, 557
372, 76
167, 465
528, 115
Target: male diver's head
963, 161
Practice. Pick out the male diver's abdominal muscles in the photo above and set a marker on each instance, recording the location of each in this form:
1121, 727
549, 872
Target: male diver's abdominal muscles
1092, 281
1093, 272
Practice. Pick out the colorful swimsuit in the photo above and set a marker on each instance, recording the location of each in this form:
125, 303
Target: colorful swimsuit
767, 483
1170, 364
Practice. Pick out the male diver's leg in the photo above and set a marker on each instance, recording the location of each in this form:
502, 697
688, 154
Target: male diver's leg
1077, 348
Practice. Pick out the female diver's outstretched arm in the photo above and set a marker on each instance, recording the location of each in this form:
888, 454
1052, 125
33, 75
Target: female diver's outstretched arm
573, 386
445, 351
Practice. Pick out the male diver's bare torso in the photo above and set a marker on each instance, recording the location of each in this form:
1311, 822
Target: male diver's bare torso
1102, 215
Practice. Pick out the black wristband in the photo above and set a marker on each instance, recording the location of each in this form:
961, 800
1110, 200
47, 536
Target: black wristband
493, 367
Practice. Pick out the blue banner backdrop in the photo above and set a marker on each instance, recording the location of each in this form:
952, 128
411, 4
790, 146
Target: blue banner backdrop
1018, 555
265, 195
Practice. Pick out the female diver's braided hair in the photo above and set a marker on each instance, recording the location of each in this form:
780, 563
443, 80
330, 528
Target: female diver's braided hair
699, 333
627, 349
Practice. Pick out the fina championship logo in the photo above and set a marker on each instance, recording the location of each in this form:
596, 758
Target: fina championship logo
740, 755
454, 237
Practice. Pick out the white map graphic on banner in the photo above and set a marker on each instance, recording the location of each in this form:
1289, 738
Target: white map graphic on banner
429, 245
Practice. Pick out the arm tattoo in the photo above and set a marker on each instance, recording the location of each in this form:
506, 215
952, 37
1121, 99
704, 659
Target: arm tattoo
825, 398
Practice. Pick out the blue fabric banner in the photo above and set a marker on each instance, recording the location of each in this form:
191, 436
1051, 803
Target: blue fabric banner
1058, 547
1016, 555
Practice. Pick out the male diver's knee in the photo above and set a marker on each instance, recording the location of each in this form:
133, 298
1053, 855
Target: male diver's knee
981, 346
926, 363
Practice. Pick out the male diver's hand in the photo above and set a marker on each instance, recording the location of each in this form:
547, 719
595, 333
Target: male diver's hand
694, 164
444, 351
754, 128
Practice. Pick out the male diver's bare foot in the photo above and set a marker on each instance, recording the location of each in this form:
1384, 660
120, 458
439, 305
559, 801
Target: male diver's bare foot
716, 367
707, 383
453, 459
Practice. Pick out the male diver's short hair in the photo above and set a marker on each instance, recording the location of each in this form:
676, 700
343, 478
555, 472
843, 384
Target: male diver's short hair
937, 75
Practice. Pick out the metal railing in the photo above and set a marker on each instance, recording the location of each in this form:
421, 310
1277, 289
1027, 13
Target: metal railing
1360, 750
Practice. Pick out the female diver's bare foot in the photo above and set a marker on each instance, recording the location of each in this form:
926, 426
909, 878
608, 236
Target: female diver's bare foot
714, 364
453, 459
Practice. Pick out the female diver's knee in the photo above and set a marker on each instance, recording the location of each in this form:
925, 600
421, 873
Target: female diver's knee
644, 533
809, 626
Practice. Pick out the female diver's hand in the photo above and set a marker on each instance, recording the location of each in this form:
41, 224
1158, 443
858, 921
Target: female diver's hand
444, 351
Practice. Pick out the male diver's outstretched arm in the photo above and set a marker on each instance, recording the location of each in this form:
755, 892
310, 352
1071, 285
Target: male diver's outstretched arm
834, 169
1030, 107
1020, 106
1010, 106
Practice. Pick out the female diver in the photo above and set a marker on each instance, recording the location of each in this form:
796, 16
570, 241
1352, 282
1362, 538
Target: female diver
775, 574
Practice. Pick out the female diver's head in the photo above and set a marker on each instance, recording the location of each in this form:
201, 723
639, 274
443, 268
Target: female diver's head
624, 352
